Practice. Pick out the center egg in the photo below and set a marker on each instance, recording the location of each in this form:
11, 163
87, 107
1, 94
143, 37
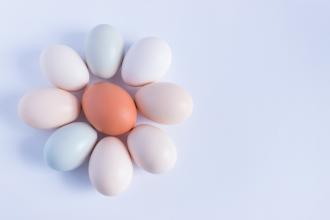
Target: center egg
109, 108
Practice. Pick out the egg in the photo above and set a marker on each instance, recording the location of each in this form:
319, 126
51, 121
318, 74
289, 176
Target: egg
165, 103
110, 167
104, 50
146, 61
69, 146
109, 108
152, 149
48, 108
64, 67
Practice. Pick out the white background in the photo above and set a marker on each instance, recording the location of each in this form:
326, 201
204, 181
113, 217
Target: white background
257, 146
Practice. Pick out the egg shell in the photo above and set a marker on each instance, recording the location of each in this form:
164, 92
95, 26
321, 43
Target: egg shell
151, 149
64, 67
69, 146
146, 61
110, 167
104, 51
165, 103
48, 108
109, 108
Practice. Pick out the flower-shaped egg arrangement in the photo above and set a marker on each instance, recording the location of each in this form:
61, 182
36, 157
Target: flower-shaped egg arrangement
108, 108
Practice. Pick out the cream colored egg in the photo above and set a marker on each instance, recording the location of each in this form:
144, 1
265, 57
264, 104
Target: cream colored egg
48, 108
146, 61
110, 167
64, 67
165, 103
152, 149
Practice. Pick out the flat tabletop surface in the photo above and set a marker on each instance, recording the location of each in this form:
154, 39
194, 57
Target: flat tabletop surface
257, 146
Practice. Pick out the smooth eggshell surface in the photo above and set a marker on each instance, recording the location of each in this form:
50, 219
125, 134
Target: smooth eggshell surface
48, 108
165, 103
109, 108
152, 149
146, 61
64, 67
69, 146
104, 51
110, 167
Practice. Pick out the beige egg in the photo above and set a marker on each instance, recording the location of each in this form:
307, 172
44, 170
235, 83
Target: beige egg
110, 167
152, 149
64, 67
48, 108
165, 103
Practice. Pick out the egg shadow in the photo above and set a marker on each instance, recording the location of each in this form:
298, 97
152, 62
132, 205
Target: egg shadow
8, 110
31, 149
77, 179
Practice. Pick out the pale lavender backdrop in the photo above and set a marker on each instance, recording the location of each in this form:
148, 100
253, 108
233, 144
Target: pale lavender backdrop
257, 146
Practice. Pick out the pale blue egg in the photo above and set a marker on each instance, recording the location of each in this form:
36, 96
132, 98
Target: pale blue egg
104, 51
69, 146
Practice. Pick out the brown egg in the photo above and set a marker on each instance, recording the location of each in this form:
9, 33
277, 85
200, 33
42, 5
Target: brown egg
109, 108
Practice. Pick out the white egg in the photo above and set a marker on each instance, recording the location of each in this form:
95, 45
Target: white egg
64, 67
165, 103
104, 51
146, 61
152, 149
48, 108
110, 167
69, 146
